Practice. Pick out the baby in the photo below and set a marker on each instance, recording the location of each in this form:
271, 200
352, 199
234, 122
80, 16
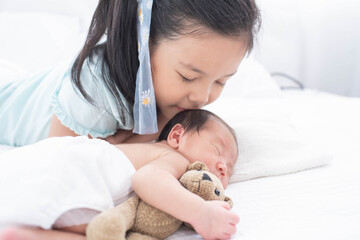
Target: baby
86, 176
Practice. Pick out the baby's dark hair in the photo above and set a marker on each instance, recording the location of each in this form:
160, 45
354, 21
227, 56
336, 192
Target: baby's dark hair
192, 120
117, 21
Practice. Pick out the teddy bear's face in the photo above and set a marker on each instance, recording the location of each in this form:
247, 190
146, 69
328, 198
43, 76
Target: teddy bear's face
203, 183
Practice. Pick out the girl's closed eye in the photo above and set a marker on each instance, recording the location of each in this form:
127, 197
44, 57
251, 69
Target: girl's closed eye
221, 84
187, 80
222, 81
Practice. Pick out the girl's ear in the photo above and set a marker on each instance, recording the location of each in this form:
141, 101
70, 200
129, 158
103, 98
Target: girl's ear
175, 135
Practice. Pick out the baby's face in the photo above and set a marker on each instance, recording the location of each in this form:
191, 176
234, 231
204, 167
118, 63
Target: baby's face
213, 145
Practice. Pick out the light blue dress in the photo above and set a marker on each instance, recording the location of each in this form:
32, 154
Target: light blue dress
27, 105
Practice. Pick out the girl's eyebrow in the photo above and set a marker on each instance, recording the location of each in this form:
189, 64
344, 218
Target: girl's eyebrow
195, 69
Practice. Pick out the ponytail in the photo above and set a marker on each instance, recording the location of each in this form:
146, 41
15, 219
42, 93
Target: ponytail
116, 21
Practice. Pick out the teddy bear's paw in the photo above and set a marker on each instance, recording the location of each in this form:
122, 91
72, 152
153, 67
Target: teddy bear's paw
106, 227
138, 236
113, 223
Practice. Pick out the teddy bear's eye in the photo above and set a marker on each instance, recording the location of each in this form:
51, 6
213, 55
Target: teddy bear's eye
206, 177
217, 192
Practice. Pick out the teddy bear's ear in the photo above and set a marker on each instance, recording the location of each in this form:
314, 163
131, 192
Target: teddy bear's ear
229, 201
197, 166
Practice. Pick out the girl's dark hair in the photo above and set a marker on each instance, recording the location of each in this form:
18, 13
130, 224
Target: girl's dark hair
113, 36
192, 120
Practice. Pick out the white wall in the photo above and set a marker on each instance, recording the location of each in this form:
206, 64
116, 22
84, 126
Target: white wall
82, 8
316, 41
38, 34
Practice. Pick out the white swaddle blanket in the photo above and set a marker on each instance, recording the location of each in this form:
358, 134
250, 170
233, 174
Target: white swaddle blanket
40, 182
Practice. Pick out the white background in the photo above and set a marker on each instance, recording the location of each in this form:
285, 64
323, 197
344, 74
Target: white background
315, 41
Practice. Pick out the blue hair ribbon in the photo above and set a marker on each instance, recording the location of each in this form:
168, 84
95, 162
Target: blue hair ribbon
144, 109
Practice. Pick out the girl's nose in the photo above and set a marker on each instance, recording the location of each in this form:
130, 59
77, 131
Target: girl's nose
200, 96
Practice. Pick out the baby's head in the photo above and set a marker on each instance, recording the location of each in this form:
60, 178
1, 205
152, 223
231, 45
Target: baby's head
202, 136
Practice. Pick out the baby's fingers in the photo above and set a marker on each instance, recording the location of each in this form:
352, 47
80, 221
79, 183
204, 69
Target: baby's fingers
226, 236
225, 205
234, 218
230, 229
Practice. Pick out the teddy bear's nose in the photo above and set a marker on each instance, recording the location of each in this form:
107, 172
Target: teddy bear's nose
206, 177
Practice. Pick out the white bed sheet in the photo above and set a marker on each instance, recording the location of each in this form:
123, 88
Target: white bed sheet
317, 204
321, 203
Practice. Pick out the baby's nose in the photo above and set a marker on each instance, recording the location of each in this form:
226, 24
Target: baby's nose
222, 169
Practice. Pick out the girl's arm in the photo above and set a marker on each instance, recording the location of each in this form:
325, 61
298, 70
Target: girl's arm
157, 184
57, 129
135, 138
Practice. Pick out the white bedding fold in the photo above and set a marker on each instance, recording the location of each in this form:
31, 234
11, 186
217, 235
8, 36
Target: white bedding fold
42, 181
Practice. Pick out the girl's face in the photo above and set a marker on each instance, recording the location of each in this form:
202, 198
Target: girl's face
191, 71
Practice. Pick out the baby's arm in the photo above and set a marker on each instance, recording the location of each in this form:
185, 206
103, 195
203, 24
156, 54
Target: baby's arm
157, 184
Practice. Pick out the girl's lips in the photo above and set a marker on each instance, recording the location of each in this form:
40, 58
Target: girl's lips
180, 109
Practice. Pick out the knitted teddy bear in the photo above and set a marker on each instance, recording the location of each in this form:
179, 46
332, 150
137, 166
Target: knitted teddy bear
136, 220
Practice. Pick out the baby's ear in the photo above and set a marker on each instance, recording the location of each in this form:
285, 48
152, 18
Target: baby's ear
197, 166
229, 201
175, 135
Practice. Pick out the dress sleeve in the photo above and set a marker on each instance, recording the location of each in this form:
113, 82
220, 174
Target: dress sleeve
101, 118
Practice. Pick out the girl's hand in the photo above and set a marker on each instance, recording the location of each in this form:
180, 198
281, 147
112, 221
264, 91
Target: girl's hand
126, 136
119, 137
215, 221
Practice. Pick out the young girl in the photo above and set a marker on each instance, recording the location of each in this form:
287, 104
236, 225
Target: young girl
109, 91
90, 175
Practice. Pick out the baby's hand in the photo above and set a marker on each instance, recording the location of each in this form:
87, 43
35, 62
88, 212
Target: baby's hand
215, 221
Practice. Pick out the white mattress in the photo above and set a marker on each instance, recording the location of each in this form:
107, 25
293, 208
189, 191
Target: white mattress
321, 203
317, 204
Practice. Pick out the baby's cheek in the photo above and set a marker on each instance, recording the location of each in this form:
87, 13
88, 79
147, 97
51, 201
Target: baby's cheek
226, 181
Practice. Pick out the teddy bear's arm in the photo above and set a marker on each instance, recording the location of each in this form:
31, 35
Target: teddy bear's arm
113, 223
229, 201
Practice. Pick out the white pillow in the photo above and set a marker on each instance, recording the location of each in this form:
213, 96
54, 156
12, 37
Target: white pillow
267, 140
252, 80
